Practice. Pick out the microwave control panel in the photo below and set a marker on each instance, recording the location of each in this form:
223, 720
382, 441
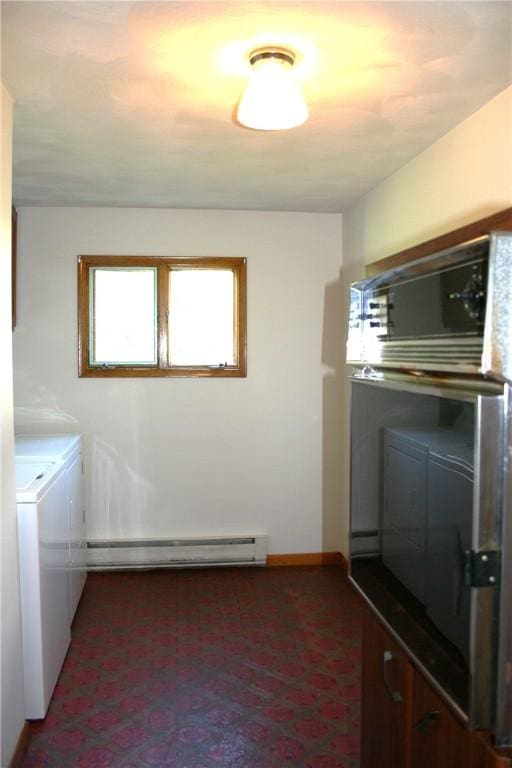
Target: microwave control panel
445, 304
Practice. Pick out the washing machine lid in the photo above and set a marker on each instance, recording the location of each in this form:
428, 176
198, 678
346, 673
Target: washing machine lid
48, 446
33, 477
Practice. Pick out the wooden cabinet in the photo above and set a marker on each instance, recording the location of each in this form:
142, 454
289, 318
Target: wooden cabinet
483, 754
404, 723
438, 739
387, 689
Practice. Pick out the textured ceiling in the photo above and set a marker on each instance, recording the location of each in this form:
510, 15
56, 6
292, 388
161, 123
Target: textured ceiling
132, 103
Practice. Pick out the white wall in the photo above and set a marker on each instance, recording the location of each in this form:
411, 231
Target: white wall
464, 176
195, 456
12, 717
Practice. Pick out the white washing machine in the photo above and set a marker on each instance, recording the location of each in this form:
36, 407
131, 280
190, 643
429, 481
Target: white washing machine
51, 534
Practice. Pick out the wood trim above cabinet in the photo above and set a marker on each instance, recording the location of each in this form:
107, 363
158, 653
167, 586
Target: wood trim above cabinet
498, 221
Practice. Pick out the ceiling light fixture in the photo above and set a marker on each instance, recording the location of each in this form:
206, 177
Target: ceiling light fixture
272, 100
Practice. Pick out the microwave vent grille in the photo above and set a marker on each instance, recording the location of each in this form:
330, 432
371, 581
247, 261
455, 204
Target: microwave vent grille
454, 352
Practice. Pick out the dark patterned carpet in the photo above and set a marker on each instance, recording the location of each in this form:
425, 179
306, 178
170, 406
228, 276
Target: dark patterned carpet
246, 668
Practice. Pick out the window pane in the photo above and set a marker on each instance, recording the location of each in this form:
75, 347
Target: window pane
201, 317
123, 314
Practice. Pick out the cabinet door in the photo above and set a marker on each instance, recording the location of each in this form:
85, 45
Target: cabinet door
404, 722
439, 740
386, 699
483, 754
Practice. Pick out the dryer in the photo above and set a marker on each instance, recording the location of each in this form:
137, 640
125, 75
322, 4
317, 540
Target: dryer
51, 536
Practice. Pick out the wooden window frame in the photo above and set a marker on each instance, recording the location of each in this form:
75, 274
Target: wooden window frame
163, 266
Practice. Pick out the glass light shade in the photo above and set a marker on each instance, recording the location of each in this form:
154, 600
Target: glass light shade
272, 100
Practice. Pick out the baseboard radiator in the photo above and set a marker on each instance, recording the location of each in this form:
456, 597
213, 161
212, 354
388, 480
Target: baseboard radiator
176, 553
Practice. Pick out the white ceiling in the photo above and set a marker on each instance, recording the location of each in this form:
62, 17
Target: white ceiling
132, 103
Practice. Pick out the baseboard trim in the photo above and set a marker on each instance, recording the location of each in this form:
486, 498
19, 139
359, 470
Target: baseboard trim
21, 747
309, 558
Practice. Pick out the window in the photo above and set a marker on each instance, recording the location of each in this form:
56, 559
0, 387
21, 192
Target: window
142, 316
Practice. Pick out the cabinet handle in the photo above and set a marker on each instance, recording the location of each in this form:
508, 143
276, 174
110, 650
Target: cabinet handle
426, 721
396, 696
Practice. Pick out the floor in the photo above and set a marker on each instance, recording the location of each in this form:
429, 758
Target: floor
203, 668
